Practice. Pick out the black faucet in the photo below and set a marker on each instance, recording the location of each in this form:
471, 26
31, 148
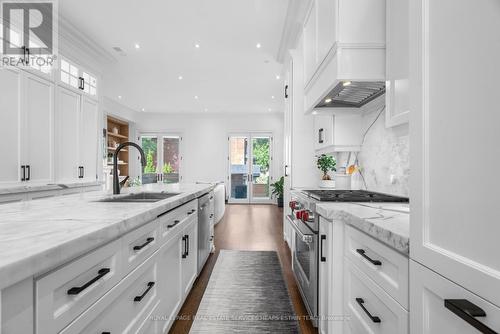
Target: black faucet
116, 181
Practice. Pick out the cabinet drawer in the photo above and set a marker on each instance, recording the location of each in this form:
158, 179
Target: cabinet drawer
369, 308
126, 307
384, 265
65, 293
429, 315
139, 245
174, 220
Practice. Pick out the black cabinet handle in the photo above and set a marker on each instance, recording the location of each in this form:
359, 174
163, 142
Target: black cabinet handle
468, 312
286, 170
148, 241
184, 255
81, 83
83, 172
211, 215
323, 238
361, 304
211, 197
174, 224
23, 169
187, 245
320, 135
191, 212
100, 274
362, 252
286, 91
80, 172
106, 333
139, 298
28, 170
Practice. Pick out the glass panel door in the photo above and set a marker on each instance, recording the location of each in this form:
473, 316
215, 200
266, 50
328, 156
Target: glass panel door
261, 162
150, 147
171, 159
239, 168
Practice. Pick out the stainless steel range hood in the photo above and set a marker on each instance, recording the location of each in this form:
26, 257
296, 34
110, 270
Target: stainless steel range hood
352, 94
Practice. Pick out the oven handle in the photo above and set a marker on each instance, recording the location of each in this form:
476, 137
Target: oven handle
307, 238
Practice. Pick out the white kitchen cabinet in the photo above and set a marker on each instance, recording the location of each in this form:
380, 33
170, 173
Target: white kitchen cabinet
37, 135
431, 293
10, 126
89, 139
397, 62
327, 25
454, 219
325, 272
170, 280
310, 42
77, 136
339, 132
189, 256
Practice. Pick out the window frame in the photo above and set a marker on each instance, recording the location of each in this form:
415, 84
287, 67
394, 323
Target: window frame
160, 135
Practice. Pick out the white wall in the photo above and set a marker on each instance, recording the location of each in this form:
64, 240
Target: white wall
205, 146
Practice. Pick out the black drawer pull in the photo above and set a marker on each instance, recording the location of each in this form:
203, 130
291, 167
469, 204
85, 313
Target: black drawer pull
323, 238
468, 312
211, 197
361, 304
174, 224
362, 252
148, 241
139, 298
100, 274
191, 212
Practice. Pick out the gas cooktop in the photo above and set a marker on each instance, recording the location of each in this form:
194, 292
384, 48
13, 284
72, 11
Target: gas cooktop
353, 196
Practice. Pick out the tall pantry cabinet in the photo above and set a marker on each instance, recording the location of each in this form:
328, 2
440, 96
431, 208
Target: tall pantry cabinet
454, 71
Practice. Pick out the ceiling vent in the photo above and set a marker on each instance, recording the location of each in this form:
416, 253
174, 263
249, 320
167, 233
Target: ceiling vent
352, 94
119, 50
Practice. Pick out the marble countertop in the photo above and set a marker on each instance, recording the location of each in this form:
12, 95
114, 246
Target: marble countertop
37, 236
45, 187
387, 222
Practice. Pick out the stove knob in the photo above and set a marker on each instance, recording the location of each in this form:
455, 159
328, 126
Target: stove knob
299, 214
307, 216
292, 204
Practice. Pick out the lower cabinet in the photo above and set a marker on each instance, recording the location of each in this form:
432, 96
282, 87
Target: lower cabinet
189, 243
440, 306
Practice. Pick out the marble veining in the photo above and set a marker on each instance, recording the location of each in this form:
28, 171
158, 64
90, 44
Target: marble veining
37, 236
387, 222
45, 187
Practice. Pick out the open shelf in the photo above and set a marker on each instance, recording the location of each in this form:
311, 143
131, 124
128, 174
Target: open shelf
118, 133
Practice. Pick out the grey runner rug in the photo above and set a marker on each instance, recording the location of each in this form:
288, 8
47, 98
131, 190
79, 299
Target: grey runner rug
246, 293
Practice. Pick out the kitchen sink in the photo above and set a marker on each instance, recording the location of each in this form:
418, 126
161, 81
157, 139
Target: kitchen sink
142, 197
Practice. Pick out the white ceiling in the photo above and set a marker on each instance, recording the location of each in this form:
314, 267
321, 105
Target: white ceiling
227, 72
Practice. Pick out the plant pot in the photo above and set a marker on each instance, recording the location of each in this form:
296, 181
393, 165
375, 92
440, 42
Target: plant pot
327, 184
149, 178
280, 202
170, 177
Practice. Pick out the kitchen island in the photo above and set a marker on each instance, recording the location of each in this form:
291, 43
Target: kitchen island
65, 258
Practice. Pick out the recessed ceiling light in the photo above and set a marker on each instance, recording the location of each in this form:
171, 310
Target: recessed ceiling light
328, 100
269, 109
137, 46
119, 96
206, 109
197, 45
196, 97
143, 109
314, 112
346, 83
272, 97
180, 77
277, 76
258, 46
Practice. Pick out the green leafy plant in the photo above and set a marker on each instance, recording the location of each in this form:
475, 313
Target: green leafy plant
167, 168
325, 164
278, 187
150, 167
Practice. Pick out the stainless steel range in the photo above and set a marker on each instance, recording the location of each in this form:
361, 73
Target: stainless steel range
306, 244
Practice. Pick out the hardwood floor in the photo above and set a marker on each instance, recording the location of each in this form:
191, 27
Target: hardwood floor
246, 227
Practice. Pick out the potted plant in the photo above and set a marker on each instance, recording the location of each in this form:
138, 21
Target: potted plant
149, 175
278, 190
169, 174
326, 163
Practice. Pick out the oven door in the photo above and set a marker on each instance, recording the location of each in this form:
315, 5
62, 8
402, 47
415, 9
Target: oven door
305, 264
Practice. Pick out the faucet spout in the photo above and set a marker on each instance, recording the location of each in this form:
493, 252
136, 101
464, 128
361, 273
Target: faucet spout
116, 181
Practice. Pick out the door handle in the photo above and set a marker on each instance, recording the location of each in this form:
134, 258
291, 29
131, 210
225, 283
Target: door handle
323, 238
286, 91
139, 298
148, 241
187, 245
320, 135
361, 302
362, 252
184, 251
28, 170
23, 169
100, 274
286, 170
468, 312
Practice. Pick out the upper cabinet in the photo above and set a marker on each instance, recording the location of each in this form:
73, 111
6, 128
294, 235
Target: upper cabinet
343, 40
78, 78
397, 63
341, 132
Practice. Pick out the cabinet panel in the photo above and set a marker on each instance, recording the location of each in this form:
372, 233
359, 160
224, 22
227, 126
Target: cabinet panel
38, 135
139, 244
323, 131
89, 139
428, 312
327, 14
310, 44
10, 125
453, 234
190, 256
67, 133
